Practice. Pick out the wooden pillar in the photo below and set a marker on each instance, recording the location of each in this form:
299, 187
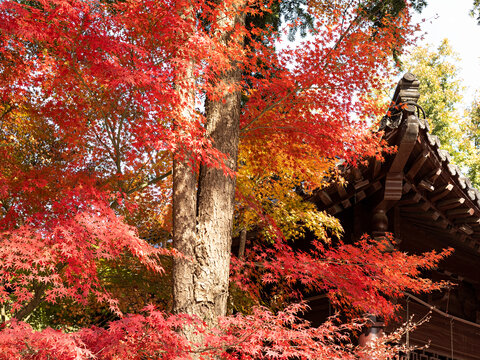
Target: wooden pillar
379, 223
375, 331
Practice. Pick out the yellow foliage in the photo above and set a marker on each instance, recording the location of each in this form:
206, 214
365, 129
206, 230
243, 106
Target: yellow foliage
276, 190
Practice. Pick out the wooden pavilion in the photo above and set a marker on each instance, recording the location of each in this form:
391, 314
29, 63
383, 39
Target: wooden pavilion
422, 198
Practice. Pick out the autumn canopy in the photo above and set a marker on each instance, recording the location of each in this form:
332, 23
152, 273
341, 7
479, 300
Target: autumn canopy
196, 121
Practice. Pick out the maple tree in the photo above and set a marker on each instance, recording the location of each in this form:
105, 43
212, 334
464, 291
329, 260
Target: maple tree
101, 99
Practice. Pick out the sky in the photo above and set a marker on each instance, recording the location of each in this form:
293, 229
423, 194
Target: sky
450, 19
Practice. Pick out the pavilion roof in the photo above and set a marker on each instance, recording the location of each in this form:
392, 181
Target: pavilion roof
419, 179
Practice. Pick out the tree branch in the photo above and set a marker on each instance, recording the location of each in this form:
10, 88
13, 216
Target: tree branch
32, 305
142, 186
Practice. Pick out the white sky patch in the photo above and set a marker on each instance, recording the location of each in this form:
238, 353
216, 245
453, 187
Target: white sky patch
450, 19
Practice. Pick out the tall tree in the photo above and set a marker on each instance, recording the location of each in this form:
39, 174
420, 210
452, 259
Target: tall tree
441, 89
472, 131
124, 85
73, 138
284, 121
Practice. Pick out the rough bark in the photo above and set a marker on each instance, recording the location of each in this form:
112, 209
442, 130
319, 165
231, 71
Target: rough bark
184, 206
215, 209
201, 279
184, 209
201, 283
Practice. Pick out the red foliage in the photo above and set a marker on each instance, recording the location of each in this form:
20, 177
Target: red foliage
365, 277
88, 101
59, 250
20, 341
262, 335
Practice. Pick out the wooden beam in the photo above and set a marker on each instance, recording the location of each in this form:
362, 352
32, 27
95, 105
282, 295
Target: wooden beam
475, 226
461, 212
377, 166
326, 199
341, 191
360, 184
357, 173
430, 207
432, 214
433, 176
450, 203
426, 185
435, 215
417, 165
360, 196
335, 209
347, 199
426, 205
410, 199
377, 185
393, 186
466, 229
407, 140
453, 230
346, 203
441, 193
406, 187
443, 223
471, 220
462, 237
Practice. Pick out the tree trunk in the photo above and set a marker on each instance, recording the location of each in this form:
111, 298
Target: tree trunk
215, 208
184, 211
201, 283
184, 205
29, 308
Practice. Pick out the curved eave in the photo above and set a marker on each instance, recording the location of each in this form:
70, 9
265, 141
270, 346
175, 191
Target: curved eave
420, 179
